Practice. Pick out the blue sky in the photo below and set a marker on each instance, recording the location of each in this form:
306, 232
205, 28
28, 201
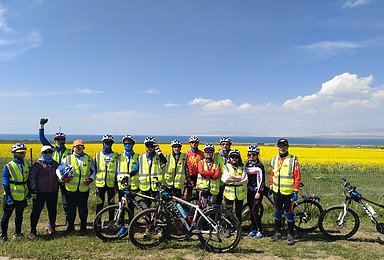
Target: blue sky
219, 67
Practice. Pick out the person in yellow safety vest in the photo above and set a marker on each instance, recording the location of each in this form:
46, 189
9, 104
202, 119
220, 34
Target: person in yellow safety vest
208, 180
285, 183
15, 176
225, 148
235, 179
60, 151
106, 163
83, 174
176, 171
128, 169
151, 166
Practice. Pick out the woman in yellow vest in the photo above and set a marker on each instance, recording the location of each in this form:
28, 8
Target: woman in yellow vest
235, 180
209, 176
77, 186
106, 171
15, 176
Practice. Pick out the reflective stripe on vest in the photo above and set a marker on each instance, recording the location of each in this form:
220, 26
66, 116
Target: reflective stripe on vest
77, 182
233, 192
204, 183
56, 155
105, 176
19, 191
146, 174
221, 163
124, 169
283, 180
175, 174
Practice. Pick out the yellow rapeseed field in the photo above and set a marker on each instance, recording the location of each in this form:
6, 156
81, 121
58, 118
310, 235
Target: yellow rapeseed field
307, 156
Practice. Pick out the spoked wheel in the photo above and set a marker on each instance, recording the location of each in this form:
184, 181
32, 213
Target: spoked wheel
222, 233
149, 228
177, 230
333, 225
306, 214
110, 224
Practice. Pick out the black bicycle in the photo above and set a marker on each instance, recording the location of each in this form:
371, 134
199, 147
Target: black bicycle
306, 211
342, 222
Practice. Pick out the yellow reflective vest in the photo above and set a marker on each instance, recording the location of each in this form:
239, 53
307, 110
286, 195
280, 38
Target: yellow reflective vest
283, 179
203, 183
147, 173
77, 182
175, 172
56, 155
125, 168
105, 176
18, 180
232, 192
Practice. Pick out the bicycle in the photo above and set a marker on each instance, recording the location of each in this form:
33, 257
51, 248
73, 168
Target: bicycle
218, 229
306, 211
341, 222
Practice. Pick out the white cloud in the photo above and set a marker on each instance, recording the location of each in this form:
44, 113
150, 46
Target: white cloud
48, 93
328, 49
211, 105
3, 21
150, 91
355, 3
345, 90
171, 105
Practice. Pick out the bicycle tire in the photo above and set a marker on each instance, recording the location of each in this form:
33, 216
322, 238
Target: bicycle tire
177, 230
307, 215
228, 233
329, 226
149, 228
106, 229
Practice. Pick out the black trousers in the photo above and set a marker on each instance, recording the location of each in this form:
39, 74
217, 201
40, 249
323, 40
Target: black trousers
77, 200
48, 198
63, 191
254, 206
238, 206
19, 207
100, 193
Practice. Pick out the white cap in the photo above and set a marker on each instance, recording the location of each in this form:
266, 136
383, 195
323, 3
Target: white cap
46, 147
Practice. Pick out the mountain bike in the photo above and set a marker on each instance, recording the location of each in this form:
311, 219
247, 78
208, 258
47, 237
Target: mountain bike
306, 211
218, 229
342, 222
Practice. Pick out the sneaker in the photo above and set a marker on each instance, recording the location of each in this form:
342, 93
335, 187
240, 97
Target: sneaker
48, 226
18, 235
252, 233
32, 235
66, 223
68, 231
83, 232
290, 240
259, 234
275, 237
51, 230
122, 231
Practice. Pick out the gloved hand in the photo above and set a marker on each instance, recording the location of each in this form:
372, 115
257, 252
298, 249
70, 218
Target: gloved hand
34, 196
9, 200
43, 121
294, 198
157, 149
88, 181
124, 181
65, 179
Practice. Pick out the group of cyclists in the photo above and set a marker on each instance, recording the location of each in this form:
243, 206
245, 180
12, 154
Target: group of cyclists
219, 176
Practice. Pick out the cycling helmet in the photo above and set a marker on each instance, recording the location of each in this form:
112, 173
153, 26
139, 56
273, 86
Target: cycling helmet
108, 137
18, 146
194, 138
253, 148
226, 139
234, 152
176, 142
68, 172
129, 137
59, 135
149, 139
209, 146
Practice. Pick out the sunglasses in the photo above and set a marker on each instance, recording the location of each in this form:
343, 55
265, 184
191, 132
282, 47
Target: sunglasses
235, 157
208, 151
128, 143
149, 145
282, 146
60, 139
252, 154
48, 152
79, 146
176, 146
20, 152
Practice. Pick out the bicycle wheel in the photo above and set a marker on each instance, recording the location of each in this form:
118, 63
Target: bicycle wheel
177, 230
222, 233
306, 214
149, 228
333, 227
107, 224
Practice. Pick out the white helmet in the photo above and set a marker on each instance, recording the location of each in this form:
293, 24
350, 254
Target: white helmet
234, 152
194, 138
176, 142
253, 148
68, 172
129, 137
107, 137
225, 139
149, 139
18, 146
59, 135
209, 146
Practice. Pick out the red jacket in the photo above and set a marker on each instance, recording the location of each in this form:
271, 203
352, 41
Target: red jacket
193, 161
296, 175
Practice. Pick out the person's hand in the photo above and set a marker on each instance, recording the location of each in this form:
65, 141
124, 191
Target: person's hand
189, 184
157, 148
257, 195
88, 181
34, 196
43, 121
65, 179
9, 200
270, 192
294, 198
